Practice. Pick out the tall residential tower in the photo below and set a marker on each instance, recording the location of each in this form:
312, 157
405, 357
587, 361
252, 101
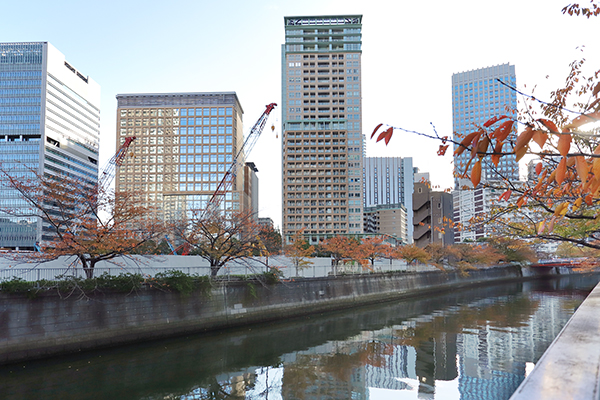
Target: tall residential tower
322, 135
49, 125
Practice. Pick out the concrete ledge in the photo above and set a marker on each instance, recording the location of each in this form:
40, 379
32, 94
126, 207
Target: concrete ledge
48, 325
570, 368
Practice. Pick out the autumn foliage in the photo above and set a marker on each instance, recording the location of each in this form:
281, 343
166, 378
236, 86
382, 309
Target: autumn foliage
562, 201
82, 220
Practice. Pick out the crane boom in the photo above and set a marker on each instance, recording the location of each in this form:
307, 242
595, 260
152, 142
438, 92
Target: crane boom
108, 173
229, 177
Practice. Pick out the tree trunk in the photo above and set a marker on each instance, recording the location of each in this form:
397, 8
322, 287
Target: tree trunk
214, 269
88, 266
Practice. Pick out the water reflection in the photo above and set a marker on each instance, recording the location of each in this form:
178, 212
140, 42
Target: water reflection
466, 344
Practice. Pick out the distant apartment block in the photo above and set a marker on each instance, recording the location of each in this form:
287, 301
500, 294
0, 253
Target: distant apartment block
433, 215
390, 220
49, 123
388, 181
470, 210
185, 143
322, 135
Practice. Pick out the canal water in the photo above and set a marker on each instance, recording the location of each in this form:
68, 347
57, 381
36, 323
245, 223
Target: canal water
467, 344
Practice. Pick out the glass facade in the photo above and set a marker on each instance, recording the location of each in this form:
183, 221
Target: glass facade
477, 96
49, 124
185, 143
323, 144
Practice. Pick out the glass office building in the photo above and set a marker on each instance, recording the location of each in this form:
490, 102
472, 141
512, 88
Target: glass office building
185, 143
49, 124
322, 143
477, 96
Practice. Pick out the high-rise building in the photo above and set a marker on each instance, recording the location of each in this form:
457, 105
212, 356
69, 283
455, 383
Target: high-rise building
477, 96
185, 143
322, 136
389, 181
49, 123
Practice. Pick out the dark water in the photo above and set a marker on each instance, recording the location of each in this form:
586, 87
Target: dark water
468, 344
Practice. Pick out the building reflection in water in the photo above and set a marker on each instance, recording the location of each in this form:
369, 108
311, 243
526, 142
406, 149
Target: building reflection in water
469, 344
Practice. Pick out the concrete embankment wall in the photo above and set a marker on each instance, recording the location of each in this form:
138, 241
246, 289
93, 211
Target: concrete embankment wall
50, 325
570, 367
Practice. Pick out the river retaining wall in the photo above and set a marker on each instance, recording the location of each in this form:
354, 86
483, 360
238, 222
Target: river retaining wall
50, 325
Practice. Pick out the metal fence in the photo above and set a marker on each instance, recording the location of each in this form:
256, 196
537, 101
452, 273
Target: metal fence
150, 266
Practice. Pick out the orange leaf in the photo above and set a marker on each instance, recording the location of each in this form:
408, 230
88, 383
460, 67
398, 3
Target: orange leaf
506, 195
596, 89
482, 146
465, 142
442, 150
551, 225
596, 167
522, 151
476, 173
583, 119
376, 128
561, 209
540, 137
502, 132
589, 200
521, 201
523, 139
541, 227
387, 135
582, 168
495, 159
561, 171
549, 124
564, 144
538, 168
492, 121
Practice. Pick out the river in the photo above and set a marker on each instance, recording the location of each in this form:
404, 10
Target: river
468, 344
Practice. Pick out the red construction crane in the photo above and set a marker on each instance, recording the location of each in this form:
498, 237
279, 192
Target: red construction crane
108, 173
227, 182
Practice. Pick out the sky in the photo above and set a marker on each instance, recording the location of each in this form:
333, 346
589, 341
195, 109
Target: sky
410, 51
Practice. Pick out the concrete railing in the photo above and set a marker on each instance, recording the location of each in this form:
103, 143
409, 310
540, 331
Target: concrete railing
570, 367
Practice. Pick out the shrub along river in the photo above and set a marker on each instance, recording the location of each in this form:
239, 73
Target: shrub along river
469, 344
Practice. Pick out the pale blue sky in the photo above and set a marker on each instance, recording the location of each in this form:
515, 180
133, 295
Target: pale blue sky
410, 50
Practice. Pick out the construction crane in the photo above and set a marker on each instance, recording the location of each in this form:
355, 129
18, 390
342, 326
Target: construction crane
108, 173
227, 182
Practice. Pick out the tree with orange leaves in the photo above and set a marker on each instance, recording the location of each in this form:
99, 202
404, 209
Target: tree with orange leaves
372, 248
218, 236
562, 202
412, 253
299, 251
341, 248
80, 219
